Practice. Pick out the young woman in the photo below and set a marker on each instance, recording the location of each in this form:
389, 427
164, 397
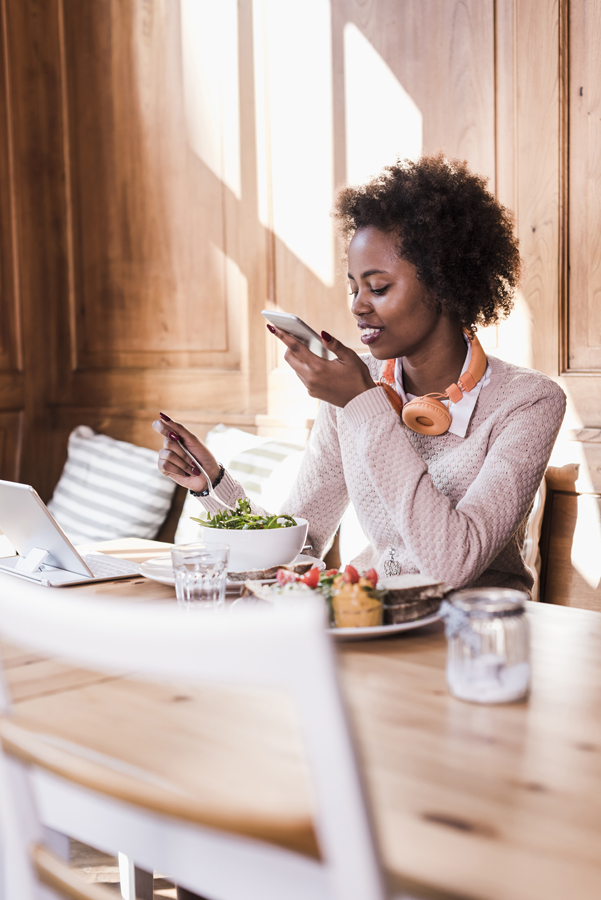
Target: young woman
442, 488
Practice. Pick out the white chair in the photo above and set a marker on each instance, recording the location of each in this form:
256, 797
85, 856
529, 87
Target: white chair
47, 785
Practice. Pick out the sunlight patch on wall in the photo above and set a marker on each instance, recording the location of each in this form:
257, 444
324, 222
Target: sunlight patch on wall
382, 120
294, 109
235, 289
211, 96
587, 540
514, 343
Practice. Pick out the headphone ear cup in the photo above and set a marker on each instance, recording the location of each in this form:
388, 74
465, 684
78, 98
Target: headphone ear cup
425, 415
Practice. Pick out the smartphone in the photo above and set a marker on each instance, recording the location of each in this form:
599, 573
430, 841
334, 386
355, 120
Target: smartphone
300, 330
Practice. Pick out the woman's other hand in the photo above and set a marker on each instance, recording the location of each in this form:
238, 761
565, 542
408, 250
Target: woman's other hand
336, 381
174, 463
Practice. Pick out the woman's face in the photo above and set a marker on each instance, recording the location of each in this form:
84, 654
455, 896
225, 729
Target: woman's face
393, 309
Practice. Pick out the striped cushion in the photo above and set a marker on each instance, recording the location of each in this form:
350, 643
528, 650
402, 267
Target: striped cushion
253, 468
109, 489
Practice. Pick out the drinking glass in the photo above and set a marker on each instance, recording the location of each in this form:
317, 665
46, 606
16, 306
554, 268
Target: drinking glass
200, 571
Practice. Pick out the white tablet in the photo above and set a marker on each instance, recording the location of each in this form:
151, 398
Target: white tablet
29, 525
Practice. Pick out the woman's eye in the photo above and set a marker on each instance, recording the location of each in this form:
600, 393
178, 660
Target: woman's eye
379, 291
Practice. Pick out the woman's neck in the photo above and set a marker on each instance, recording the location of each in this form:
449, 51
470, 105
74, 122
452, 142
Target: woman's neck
438, 363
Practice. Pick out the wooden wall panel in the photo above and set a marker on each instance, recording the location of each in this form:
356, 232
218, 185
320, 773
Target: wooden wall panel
32, 188
10, 325
167, 268
584, 285
150, 271
536, 157
580, 319
11, 438
12, 396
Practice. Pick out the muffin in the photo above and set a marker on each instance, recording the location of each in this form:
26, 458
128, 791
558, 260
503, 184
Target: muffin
355, 601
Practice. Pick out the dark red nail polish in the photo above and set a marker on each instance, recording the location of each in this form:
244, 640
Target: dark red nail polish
327, 337
271, 328
195, 471
164, 417
173, 436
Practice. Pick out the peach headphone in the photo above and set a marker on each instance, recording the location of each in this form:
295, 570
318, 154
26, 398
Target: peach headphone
427, 415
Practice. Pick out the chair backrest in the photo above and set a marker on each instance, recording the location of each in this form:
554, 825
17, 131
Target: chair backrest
284, 647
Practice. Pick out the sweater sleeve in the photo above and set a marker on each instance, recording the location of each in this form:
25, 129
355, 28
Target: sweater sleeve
319, 493
456, 544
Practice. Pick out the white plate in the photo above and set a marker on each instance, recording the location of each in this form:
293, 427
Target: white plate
159, 569
379, 631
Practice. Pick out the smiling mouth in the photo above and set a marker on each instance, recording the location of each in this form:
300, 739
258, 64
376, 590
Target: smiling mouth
369, 335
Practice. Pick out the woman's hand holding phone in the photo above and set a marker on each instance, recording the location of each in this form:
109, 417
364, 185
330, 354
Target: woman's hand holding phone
174, 462
335, 381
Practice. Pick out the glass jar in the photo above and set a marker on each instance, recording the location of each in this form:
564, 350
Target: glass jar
488, 653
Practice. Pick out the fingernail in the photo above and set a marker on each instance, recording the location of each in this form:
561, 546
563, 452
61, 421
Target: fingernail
164, 417
271, 328
173, 436
195, 471
327, 337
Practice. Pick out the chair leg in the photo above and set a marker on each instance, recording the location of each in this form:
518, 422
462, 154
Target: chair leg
136, 884
127, 877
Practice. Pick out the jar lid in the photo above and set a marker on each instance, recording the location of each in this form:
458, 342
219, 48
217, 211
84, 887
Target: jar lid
489, 602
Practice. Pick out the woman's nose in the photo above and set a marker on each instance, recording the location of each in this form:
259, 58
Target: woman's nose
360, 304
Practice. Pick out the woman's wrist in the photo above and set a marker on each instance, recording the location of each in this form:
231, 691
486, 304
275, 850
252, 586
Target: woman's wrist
214, 482
368, 387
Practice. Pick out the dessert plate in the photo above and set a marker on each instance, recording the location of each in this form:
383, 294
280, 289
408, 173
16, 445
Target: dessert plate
379, 631
159, 569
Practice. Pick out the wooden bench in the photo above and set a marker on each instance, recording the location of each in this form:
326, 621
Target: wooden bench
570, 542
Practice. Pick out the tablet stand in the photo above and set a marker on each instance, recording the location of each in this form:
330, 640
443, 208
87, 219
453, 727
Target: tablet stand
33, 562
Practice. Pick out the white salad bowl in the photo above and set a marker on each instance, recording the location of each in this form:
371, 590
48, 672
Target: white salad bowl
261, 548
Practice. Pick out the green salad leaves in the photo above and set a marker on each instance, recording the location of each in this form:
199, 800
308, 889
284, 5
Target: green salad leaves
242, 519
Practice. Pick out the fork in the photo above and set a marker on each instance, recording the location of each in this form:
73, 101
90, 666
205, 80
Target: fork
211, 493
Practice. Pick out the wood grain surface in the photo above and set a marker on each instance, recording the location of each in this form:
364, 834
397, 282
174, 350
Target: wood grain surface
136, 269
482, 802
584, 311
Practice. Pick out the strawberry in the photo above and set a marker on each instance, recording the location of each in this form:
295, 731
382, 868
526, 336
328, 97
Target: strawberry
350, 575
311, 579
285, 576
372, 576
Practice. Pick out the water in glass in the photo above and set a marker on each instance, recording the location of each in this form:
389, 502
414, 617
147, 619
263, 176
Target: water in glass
200, 571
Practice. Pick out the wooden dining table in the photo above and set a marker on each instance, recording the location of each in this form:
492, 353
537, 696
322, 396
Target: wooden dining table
470, 801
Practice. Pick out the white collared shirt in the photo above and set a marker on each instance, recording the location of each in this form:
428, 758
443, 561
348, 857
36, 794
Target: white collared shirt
461, 412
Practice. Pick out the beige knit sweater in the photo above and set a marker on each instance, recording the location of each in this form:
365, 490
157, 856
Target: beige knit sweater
454, 508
